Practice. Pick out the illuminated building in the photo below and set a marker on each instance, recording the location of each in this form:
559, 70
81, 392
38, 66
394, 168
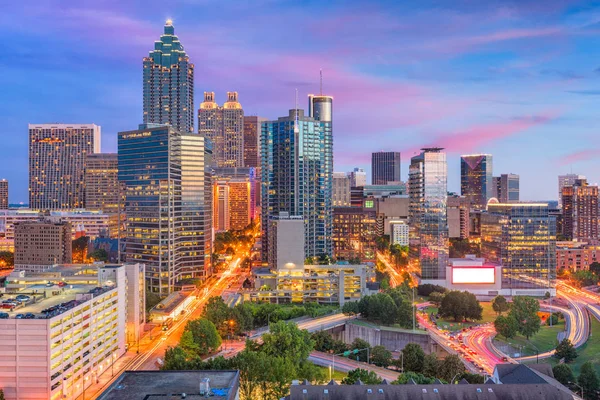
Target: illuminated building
358, 177
231, 204
428, 174
224, 126
341, 189
41, 244
522, 238
399, 232
476, 179
566, 180
168, 192
385, 167
221, 206
252, 127
102, 189
320, 107
458, 217
354, 233
169, 84
3, 194
576, 256
580, 211
388, 208
240, 199
297, 169
59, 353
57, 157
506, 188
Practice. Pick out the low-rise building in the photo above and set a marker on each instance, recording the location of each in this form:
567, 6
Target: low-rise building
174, 305
399, 231
41, 244
354, 233
576, 256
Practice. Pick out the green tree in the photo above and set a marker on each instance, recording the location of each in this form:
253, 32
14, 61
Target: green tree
413, 356
360, 344
584, 278
565, 350
552, 319
287, 341
506, 326
366, 377
80, 249
563, 373
7, 259
499, 304
204, 334
382, 242
350, 308
99, 255
282, 371
524, 310
595, 267
217, 312
471, 378
175, 359
152, 299
430, 365
186, 342
310, 372
588, 380
427, 288
419, 379
381, 356
436, 298
243, 317
247, 363
449, 367
1, 394
460, 306
323, 341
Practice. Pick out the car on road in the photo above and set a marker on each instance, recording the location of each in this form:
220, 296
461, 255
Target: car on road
3, 315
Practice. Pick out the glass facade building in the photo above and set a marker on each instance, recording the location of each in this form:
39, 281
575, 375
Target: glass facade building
385, 167
296, 171
169, 83
428, 176
168, 202
476, 179
522, 238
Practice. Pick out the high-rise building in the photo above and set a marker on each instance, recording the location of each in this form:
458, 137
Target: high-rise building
385, 167
297, 168
41, 244
224, 126
238, 175
232, 204
252, 126
341, 189
506, 188
221, 206
102, 189
320, 107
57, 154
168, 203
358, 177
566, 180
580, 211
428, 192
521, 237
354, 233
476, 183
169, 83
3, 194
458, 217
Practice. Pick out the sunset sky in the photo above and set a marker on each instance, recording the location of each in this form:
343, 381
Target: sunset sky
517, 79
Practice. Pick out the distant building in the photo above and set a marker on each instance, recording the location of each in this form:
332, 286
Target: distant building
576, 256
388, 209
566, 180
57, 161
252, 126
40, 245
102, 189
458, 217
240, 176
354, 233
385, 167
232, 204
358, 177
341, 190
399, 232
476, 182
224, 126
580, 211
3, 194
506, 188
287, 236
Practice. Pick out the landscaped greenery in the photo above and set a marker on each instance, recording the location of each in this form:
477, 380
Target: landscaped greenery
545, 340
488, 315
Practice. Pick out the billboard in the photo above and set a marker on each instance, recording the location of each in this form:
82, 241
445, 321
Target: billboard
473, 275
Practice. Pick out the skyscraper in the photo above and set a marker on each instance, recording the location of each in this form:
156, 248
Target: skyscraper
385, 167
428, 175
168, 203
506, 188
57, 154
297, 168
224, 126
169, 83
358, 177
232, 203
252, 126
341, 190
566, 180
580, 211
476, 183
3, 194
102, 189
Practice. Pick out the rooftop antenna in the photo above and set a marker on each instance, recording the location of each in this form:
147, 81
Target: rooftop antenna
296, 129
321, 81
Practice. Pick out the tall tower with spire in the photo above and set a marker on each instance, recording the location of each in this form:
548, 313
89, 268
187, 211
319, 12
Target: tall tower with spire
169, 83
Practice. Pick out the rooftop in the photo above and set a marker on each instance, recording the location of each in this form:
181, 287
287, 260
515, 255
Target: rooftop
168, 385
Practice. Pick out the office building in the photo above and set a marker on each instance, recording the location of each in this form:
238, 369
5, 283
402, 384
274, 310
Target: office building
3, 194
458, 217
354, 233
168, 203
62, 351
232, 204
566, 180
388, 209
522, 238
252, 126
102, 189
297, 169
57, 157
476, 183
341, 190
385, 167
221, 206
580, 211
40, 245
169, 84
224, 126
320, 107
399, 231
506, 188
428, 192
358, 177
391, 189
239, 175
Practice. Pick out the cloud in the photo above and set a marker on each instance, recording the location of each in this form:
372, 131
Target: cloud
589, 92
579, 156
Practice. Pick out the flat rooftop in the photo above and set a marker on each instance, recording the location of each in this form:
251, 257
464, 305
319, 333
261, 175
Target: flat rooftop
170, 385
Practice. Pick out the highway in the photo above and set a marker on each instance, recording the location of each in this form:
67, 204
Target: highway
344, 364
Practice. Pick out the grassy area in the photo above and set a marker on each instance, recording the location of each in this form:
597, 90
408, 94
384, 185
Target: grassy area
489, 315
544, 340
337, 375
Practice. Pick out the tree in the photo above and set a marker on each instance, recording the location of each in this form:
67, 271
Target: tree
460, 306
436, 298
287, 341
595, 267
79, 249
524, 310
563, 373
247, 362
382, 242
217, 312
566, 351
310, 372
413, 356
323, 341
7, 259
282, 371
186, 342
175, 359
152, 299
499, 304
588, 380
360, 344
205, 335
506, 326
1, 394
430, 365
350, 308
244, 319
449, 367
584, 278
471, 378
419, 379
381, 356
366, 377
99, 255
427, 288
552, 319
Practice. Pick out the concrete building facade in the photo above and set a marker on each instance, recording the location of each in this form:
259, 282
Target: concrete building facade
40, 245
341, 190
3, 194
385, 167
580, 211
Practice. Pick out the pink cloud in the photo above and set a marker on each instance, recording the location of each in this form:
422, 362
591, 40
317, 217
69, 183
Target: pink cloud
578, 156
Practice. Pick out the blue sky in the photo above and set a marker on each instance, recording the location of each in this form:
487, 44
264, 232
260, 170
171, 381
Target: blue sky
517, 79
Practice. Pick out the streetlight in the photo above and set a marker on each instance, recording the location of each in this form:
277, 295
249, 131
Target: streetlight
454, 377
573, 383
